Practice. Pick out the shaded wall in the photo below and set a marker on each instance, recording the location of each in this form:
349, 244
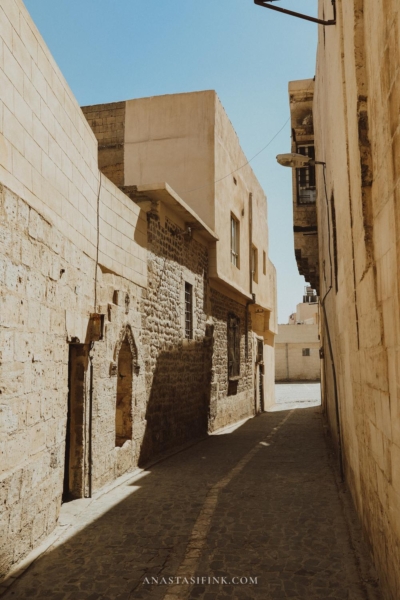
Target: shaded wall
356, 120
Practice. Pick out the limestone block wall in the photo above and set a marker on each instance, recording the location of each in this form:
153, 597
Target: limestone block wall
290, 363
357, 125
41, 273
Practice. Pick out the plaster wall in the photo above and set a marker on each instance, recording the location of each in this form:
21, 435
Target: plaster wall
171, 138
232, 195
305, 311
290, 364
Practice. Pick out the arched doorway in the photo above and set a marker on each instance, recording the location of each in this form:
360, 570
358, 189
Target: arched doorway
123, 410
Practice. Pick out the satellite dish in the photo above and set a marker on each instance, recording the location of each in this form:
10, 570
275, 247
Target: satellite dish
296, 161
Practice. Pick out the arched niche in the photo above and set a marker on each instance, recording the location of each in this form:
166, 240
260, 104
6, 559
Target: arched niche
126, 359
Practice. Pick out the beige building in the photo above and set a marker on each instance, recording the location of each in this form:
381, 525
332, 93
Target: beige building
297, 356
133, 317
356, 122
188, 141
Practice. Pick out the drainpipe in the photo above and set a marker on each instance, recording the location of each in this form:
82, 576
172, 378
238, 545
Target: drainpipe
90, 449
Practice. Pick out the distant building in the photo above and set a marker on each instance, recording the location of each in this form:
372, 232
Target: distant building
297, 343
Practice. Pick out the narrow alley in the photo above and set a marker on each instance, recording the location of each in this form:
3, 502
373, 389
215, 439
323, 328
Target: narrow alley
258, 508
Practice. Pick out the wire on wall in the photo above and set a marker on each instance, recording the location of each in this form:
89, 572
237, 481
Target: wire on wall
328, 335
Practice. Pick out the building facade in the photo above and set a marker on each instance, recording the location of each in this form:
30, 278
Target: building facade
297, 345
356, 123
128, 324
188, 141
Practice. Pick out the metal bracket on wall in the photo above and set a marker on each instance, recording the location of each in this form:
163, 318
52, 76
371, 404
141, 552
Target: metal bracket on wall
267, 4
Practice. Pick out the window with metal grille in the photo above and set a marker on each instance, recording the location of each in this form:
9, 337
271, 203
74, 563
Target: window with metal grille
260, 351
254, 263
306, 190
188, 311
233, 347
306, 351
234, 241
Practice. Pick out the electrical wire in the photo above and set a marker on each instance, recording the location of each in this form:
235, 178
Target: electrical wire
250, 159
244, 164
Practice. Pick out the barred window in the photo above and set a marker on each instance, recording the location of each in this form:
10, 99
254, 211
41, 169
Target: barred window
306, 190
306, 351
254, 263
233, 347
260, 351
188, 311
234, 241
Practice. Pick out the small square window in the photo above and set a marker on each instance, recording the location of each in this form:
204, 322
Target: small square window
306, 351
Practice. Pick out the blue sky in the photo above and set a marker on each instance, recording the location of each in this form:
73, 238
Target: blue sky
111, 50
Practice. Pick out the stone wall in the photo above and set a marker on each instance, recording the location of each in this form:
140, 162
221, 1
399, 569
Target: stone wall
177, 370
357, 133
41, 273
230, 401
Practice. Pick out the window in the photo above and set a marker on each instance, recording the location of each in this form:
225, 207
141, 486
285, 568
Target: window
233, 347
306, 351
234, 241
260, 351
188, 311
254, 263
264, 263
306, 190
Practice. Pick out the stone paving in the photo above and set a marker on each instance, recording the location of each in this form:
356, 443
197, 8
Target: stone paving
259, 502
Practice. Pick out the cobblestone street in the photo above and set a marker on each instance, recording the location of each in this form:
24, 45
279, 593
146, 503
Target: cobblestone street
259, 501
